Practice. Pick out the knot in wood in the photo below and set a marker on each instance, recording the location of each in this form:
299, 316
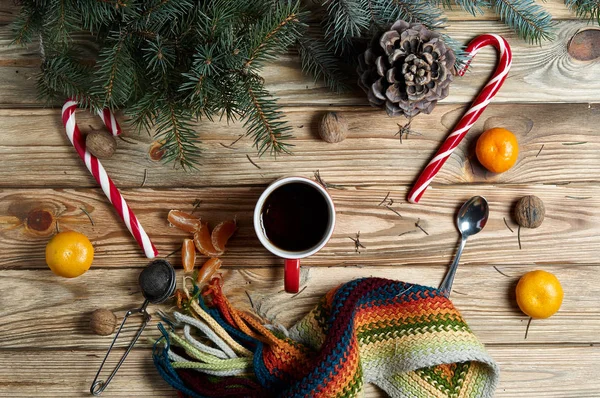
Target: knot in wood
39, 220
156, 151
585, 45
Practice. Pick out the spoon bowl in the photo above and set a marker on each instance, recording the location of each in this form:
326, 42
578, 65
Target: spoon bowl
472, 216
471, 219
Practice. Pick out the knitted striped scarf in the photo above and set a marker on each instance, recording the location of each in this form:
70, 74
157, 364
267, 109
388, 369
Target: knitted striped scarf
407, 339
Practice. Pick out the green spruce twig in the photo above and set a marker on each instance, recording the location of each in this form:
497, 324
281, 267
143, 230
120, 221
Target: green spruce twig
530, 20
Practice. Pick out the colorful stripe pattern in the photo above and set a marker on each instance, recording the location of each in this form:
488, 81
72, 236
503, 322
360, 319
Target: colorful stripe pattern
407, 339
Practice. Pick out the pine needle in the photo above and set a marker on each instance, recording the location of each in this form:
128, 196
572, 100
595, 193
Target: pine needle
530, 20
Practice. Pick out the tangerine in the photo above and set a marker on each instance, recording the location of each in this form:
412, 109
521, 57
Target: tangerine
208, 269
539, 294
203, 241
221, 234
69, 254
497, 150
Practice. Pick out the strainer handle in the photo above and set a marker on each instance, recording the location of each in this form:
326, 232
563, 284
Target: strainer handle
98, 386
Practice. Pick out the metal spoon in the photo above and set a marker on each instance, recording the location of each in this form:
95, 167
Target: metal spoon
471, 219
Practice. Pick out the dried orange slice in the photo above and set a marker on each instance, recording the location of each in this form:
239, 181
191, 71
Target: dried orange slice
221, 234
208, 270
203, 241
184, 221
188, 255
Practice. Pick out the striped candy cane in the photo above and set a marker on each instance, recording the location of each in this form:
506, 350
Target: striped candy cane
97, 170
470, 117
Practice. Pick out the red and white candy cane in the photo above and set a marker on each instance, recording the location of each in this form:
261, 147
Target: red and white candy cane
470, 117
97, 170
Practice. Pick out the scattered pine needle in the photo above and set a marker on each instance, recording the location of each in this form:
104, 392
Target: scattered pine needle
250, 299
196, 204
326, 185
301, 290
527, 330
385, 199
407, 232
519, 236
500, 272
173, 252
57, 228
507, 226
127, 141
255, 165
145, 177
420, 227
405, 130
405, 290
574, 143
357, 244
396, 212
457, 292
578, 197
230, 146
88, 215
540, 151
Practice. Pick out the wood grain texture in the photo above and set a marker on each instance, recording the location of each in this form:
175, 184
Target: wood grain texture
525, 373
569, 234
539, 73
40, 309
37, 153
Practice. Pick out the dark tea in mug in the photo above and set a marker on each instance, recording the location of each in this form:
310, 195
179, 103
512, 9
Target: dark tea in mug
295, 217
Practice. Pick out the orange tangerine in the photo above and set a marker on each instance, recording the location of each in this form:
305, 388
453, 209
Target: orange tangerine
69, 254
539, 294
221, 234
203, 241
497, 150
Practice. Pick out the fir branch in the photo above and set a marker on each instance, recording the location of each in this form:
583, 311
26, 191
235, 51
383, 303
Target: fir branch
115, 77
473, 7
345, 19
62, 20
26, 25
459, 51
320, 62
585, 9
173, 127
63, 77
142, 113
159, 56
263, 121
274, 33
531, 21
389, 11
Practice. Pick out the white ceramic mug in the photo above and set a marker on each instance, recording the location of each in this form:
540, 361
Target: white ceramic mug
292, 258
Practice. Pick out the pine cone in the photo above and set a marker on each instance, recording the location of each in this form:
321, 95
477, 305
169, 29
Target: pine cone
407, 69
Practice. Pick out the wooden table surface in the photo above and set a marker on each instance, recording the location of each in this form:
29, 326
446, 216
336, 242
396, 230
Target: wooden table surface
46, 348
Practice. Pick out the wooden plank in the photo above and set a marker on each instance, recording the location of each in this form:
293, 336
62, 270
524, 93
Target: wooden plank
525, 372
569, 234
544, 73
483, 295
33, 144
34, 373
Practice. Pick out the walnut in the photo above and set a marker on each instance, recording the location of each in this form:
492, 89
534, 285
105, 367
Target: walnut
101, 144
333, 127
103, 322
530, 211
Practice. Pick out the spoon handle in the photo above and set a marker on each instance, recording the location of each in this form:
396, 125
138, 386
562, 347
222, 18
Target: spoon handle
446, 286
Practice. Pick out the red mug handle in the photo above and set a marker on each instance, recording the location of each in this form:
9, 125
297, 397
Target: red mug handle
291, 277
